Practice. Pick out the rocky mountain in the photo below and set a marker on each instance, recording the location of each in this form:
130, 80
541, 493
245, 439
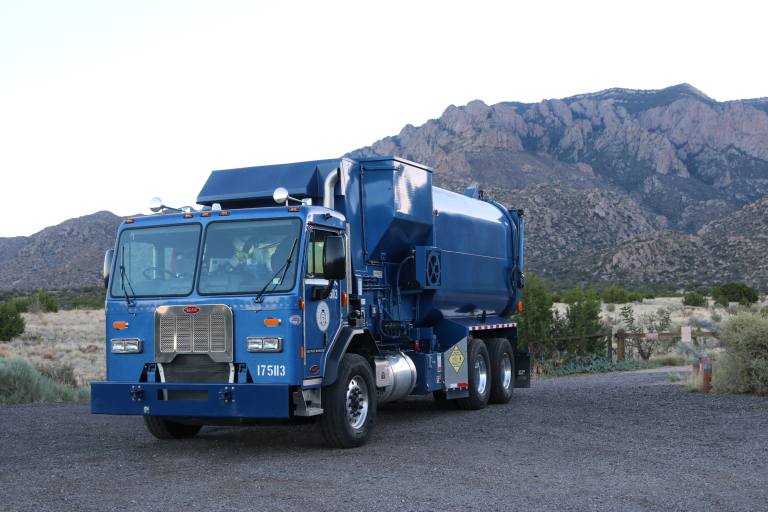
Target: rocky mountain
619, 185
68, 255
641, 187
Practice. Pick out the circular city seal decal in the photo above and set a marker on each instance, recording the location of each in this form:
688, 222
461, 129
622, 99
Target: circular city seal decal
323, 316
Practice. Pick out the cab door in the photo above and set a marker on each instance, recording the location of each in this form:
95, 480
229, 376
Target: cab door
322, 304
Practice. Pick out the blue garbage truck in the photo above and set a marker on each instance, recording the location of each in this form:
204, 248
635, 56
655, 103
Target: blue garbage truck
312, 292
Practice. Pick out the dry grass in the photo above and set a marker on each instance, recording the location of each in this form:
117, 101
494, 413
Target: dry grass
73, 338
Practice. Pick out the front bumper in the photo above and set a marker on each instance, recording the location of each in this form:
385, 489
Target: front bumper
223, 400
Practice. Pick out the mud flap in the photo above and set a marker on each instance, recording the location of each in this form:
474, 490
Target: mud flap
522, 369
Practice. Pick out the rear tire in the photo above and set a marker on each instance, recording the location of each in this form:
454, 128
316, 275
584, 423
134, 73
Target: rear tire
163, 428
502, 370
480, 375
349, 404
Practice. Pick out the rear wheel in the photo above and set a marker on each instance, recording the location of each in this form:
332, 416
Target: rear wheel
502, 370
480, 375
349, 404
163, 428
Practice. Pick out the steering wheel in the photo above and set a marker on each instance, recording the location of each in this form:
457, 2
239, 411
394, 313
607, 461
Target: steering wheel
147, 271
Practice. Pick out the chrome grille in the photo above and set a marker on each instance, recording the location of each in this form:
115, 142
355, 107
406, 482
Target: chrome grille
207, 331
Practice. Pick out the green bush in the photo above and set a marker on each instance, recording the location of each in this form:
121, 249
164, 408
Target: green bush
595, 364
744, 366
535, 321
47, 303
734, 292
694, 299
61, 373
21, 383
11, 321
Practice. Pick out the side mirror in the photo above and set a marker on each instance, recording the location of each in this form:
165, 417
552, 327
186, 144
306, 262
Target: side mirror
334, 258
108, 256
155, 204
280, 195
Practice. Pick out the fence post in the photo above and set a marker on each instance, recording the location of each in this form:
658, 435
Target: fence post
706, 375
620, 348
610, 345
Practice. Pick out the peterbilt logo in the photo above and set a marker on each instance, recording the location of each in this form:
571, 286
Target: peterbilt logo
192, 310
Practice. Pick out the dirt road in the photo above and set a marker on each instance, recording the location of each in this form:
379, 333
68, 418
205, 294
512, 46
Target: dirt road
632, 441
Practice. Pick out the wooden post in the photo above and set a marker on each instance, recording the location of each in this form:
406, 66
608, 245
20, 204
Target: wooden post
620, 347
610, 345
706, 375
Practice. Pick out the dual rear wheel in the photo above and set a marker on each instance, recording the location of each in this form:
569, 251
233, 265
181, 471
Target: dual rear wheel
491, 373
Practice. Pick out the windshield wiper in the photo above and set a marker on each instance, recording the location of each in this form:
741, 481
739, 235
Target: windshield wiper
283, 268
124, 279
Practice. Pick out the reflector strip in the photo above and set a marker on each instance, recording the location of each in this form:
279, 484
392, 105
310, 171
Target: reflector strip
492, 326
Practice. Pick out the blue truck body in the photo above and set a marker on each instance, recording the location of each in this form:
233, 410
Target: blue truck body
428, 274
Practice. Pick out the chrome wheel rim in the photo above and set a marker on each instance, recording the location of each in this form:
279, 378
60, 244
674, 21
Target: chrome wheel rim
357, 402
506, 371
481, 375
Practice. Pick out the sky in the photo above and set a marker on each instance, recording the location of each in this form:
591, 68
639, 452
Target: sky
106, 104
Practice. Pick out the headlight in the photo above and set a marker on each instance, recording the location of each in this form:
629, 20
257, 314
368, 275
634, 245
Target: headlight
271, 344
126, 346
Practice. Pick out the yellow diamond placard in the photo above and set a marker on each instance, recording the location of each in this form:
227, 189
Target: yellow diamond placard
456, 359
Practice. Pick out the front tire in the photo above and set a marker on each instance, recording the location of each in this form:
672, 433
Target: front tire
502, 370
349, 404
480, 375
164, 429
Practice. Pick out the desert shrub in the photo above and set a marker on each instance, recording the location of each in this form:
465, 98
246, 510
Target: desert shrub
610, 307
22, 304
46, 302
638, 328
734, 292
11, 321
615, 295
61, 373
582, 318
21, 383
594, 364
744, 366
717, 317
694, 299
670, 360
535, 322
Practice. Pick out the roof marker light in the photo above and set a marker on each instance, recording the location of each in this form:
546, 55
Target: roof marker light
224, 213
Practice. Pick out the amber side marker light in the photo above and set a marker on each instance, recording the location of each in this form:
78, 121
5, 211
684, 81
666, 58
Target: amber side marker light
205, 214
344, 299
293, 209
272, 322
120, 325
187, 215
301, 304
520, 307
129, 221
224, 213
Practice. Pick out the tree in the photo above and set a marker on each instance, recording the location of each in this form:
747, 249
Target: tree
536, 320
734, 292
694, 299
582, 318
638, 329
11, 321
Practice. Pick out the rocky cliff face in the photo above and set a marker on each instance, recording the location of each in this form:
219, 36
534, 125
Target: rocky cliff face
640, 187
68, 255
618, 185
677, 152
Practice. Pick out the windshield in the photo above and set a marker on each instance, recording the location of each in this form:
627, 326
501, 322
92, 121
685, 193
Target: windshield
157, 261
249, 256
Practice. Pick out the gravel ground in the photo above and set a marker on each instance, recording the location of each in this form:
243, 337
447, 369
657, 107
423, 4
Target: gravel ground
629, 441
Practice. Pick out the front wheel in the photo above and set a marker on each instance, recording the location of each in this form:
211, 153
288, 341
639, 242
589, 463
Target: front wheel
349, 404
480, 374
164, 429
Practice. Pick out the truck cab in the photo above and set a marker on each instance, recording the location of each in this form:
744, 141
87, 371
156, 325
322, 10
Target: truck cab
276, 306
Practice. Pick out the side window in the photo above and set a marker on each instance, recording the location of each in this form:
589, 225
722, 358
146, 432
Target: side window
315, 253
